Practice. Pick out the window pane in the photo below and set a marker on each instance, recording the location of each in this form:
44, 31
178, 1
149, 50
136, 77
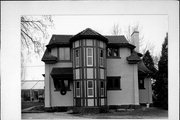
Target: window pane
116, 52
90, 73
109, 52
90, 92
77, 73
89, 62
89, 42
77, 53
101, 73
77, 92
77, 84
90, 84
77, 57
116, 83
77, 44
101, 53
61, 53
102, 84
101, 44
102, 91
113, 83
66, 53
89, 52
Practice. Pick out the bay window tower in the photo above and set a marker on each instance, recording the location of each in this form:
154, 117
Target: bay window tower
89, 69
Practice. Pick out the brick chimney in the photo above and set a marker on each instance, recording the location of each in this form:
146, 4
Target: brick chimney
135, 40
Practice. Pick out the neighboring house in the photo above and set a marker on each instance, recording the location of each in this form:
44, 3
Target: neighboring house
92, 70
32, 90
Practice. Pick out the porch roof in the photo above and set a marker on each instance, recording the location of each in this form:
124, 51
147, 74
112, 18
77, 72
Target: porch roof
62, 73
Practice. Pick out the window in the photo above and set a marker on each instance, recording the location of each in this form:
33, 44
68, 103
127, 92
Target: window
64, 53
89, 42
113, 83
63, 83
141, 83
102, 89
77, 57
77, 44
113, 52
78, 89
89, 56
90, 88
101, 58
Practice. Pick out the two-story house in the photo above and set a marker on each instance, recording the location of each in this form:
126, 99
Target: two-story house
92, 70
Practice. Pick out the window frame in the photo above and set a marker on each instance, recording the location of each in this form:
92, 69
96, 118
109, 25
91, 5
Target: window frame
113, 52
101, 59
64, 54
112, 79
77, 58
87, 56
141, 85
78, 89
92, 88
57, 84
102, 89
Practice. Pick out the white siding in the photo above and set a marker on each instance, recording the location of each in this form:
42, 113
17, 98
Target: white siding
145, 95
129, 93
54, 98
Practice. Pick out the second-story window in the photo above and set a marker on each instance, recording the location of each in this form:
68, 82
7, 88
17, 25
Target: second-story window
101, 57
64, 53
90, 88
77, 57
113, 52
89, 56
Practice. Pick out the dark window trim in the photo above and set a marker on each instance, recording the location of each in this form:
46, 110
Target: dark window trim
70, 57
58, 89
142, 85
114, 77
113, 52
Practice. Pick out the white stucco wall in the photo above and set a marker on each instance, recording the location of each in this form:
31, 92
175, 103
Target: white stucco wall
129, 93
54, 98
145, 95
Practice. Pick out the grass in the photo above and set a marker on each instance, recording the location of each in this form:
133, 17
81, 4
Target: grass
30, 104
133, 114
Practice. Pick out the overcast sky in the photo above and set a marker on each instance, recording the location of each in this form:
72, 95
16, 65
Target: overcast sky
152, 27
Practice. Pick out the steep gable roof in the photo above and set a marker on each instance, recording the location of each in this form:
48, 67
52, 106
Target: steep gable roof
88, 33
48, 58
116, 39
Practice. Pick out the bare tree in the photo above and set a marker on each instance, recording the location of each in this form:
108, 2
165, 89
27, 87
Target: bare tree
33, 35
116, 30
34, 31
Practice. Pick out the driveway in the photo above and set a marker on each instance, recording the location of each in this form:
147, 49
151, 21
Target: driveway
150, 113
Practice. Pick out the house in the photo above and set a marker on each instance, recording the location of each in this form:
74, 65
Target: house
91, 70
32, 90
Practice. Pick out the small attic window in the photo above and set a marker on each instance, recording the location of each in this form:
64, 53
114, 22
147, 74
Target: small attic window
113, 52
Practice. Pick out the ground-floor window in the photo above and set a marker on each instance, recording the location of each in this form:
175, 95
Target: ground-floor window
113, 83
102, 88
90, 88
77, 89
141, 84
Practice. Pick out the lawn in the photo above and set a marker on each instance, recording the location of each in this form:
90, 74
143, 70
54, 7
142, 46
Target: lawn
28, 104
144, 113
